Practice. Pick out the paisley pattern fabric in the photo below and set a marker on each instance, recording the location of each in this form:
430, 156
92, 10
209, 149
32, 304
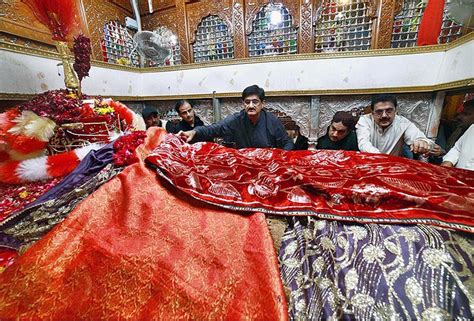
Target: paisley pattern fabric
342, 185
377, 272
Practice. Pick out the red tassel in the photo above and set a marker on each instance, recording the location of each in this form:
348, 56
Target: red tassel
24, 144
8, 173
62, 164
58, 15
431, 22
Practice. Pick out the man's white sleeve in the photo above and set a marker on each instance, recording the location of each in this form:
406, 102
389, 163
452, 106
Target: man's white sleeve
413, 133
453, 154
363, 136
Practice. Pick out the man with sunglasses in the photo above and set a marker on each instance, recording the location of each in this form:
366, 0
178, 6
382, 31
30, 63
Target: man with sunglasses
251, 127
383, 131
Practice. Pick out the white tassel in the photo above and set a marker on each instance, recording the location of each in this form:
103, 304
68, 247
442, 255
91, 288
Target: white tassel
114, 135
150, 6
4, 120
41, 128
32, 170
21, 121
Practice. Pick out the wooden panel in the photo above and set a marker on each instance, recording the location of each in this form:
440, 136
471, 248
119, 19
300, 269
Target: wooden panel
306, 41
158, 5
166, 18
182, 32
383, 25
238, 23
124, 5
43, 46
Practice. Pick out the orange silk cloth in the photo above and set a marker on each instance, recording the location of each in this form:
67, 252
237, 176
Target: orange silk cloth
136, 250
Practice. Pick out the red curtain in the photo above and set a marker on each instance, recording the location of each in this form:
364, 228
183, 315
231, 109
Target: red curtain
430, 26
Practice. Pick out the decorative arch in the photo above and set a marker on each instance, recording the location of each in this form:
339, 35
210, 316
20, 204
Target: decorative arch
213, 40
267, 38
256, 6
341, 26
196, 17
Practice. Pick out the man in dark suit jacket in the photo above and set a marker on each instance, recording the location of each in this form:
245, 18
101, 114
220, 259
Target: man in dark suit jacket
300, 141
340, 134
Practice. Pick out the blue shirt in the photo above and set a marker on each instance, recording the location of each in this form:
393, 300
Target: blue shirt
237, 129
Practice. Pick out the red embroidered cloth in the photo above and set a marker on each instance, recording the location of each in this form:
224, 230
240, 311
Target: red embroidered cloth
342, 185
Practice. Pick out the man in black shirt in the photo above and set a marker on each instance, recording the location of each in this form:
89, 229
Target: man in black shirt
189, 120
150, 116
251, 127
340, 134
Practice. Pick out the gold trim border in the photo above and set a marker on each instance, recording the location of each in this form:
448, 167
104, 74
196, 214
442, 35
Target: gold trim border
296, 57
467, 83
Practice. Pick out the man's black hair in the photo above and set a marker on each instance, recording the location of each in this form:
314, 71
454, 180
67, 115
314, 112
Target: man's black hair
180, 103
345, 118
253, 90
383, 98
468, 104
148, 111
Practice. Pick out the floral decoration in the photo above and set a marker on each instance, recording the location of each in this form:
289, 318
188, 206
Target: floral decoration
82, 56
125, 146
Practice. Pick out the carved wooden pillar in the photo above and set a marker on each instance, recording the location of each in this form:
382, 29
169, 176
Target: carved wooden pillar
383, 26
182, 28
306, 43
238, 24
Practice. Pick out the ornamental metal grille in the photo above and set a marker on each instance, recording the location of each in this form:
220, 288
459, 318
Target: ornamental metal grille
175, 58
273, 32
450, 30
176, 55
213, 41
117, 45
342, 26
407, 22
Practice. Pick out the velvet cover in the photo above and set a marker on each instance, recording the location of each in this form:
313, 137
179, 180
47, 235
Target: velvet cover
341, 185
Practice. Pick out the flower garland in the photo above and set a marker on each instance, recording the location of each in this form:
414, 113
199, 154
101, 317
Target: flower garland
82, 56
15, 197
